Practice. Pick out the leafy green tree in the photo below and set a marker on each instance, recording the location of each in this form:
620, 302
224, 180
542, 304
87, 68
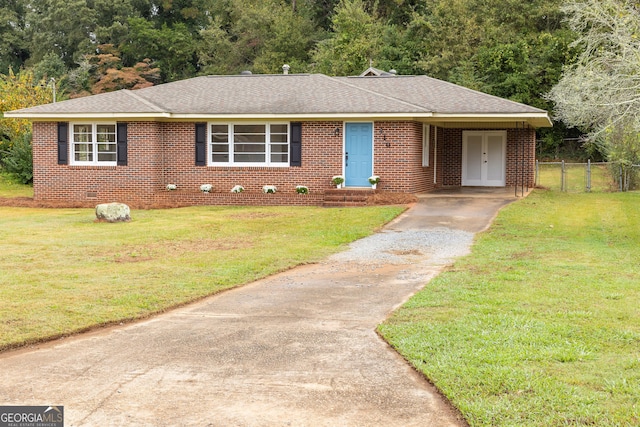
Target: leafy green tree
13, 43
172, 48
256, 36
357, 39
63, 27
51, 66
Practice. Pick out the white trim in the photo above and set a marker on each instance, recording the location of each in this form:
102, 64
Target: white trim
230, 132
435, 154
94, 144
426, 136
484, 181
536, 119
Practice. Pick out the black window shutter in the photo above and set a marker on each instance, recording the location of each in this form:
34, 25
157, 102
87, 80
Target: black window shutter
63, 143
121, 146
295, 144
201, 144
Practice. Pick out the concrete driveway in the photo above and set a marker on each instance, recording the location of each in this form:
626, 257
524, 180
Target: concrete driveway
295, 349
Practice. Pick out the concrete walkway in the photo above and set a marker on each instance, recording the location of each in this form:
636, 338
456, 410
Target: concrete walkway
295, 349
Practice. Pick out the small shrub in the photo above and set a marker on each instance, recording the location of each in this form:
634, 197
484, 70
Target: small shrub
269, 189
302, 189
18, 159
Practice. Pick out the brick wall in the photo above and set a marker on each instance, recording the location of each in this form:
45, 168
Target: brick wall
520, 156
134, 183
164, 153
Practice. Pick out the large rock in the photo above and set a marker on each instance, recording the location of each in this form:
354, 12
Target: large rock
113, 212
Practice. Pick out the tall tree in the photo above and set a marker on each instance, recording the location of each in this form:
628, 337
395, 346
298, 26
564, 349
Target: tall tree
600, 93
13, 42
63, 27
355, 42
256, 36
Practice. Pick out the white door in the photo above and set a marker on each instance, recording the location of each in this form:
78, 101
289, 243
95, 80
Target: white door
484, 158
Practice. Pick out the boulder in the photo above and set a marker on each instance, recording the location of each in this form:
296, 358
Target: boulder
113, 212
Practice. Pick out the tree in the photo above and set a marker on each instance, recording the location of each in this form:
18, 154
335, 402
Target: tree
13, 43
20, 91
172, 48
600, 93
356, 40
107, 73
63, 27
257, 36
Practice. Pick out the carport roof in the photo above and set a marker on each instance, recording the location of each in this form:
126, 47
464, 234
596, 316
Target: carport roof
293, 96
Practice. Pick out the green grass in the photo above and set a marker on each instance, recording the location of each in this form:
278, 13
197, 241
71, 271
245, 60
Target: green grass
61, 272
10, 187
540, 325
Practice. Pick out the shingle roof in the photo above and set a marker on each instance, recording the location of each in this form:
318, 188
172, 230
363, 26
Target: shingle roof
292, 95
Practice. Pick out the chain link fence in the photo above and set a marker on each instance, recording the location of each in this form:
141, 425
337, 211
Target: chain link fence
587, 177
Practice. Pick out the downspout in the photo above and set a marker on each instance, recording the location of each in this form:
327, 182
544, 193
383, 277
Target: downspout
435, 155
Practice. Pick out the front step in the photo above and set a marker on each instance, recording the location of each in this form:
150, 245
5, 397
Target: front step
347, 197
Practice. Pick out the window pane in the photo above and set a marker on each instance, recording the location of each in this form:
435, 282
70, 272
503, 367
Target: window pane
279, 138
279, 157
218, 138
219, 148
220, 129
249, 158
248, 138
106, 129
106, 137
83, 152
279, 148
220, 157
82, 133
248, 148
279, 129
220, 143
102, 148
249, 129
106, 157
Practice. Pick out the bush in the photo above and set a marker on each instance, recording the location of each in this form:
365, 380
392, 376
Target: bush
18, 159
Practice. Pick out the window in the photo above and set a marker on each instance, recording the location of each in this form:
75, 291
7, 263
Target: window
94, 144
425, 145
249, 144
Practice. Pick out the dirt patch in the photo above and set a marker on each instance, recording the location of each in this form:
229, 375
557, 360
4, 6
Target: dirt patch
141, 253
406, 252
386, 198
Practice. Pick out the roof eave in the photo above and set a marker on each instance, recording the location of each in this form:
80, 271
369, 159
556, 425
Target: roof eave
84, 116
533, 119
536, 120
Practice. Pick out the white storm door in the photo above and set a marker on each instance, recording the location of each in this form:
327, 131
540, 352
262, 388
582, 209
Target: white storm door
484, 158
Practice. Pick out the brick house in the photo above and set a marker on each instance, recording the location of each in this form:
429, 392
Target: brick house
415, 132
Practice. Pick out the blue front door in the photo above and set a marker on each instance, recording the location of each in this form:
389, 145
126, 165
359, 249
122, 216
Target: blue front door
358, 154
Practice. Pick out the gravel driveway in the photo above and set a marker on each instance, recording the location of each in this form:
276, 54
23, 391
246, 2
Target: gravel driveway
295, 349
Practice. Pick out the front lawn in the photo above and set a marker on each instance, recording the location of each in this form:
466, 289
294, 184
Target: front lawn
61, 272
540, 325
